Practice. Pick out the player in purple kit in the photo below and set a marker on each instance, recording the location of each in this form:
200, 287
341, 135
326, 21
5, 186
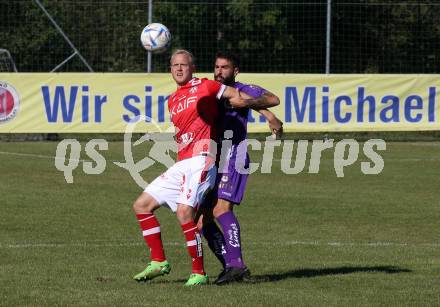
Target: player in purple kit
231, 183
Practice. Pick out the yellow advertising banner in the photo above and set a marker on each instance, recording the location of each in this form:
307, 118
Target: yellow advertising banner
101, 103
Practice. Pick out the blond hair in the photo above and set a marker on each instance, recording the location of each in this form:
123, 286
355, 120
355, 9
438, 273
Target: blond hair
185, 52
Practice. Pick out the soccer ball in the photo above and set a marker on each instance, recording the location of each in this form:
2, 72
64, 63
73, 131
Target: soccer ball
155, 37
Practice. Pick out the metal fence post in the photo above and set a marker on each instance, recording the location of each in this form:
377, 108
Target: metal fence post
328, 37
150, 20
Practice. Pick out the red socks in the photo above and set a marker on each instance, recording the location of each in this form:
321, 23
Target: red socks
151, 232
194, 245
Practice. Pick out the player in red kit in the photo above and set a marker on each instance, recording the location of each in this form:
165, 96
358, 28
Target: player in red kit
193, 109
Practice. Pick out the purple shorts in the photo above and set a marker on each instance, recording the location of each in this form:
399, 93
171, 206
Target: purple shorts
231, 185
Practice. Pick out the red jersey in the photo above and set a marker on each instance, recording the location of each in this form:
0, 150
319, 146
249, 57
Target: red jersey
194, 111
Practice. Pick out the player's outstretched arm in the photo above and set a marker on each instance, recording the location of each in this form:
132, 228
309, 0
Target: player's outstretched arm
239, 99
275, 125
269, 100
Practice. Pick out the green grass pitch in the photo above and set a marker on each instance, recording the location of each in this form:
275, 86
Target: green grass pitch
309, 239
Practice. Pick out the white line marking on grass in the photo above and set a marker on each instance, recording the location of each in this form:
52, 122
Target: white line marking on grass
384, 158
18, 154
67, 245
268, 243
358, 243
434, 144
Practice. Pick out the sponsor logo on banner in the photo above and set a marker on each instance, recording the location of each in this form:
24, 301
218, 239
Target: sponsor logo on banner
9, 102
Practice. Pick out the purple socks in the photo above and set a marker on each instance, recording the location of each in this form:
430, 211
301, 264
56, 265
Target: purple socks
231, 231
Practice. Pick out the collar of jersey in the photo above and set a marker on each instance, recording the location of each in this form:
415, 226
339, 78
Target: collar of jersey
188, 84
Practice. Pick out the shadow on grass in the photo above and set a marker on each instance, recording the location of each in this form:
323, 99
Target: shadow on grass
304, 273
309, 273
159, 281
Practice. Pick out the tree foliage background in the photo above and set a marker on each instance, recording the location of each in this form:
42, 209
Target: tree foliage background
367, 36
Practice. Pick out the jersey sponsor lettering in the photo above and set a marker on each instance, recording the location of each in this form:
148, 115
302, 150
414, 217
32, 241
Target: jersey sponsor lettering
194, 112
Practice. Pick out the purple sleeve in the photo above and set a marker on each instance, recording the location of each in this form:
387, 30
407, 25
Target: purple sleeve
252, 90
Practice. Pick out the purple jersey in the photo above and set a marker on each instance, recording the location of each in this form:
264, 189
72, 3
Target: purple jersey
230, 183
236, 119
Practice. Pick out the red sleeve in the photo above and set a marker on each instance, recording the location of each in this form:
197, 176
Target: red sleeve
215, 88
